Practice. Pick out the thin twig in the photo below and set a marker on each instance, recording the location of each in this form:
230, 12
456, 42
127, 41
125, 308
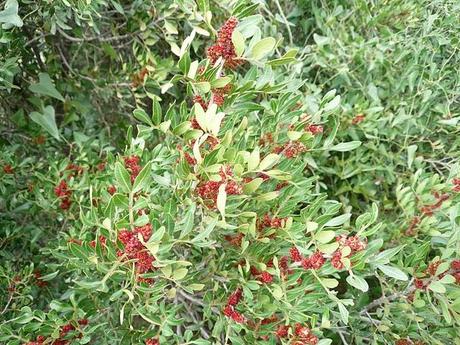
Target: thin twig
95, 38
285, 21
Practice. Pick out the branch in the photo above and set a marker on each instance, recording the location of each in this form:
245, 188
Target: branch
385, 299
95, 38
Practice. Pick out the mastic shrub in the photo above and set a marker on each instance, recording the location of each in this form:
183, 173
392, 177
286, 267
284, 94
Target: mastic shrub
214, 176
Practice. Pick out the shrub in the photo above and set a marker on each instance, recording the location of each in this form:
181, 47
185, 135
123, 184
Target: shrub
213, 220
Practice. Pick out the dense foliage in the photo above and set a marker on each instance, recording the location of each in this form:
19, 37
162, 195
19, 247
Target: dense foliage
236, 172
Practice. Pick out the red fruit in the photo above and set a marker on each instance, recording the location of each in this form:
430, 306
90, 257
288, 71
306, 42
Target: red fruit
355, 243
228, 310
301, 331
316, 260
358, 118
419, 284
266, 277
336, 260
282, 331
152, 341
455, 265
111, 190
235, 297
315, 129
8, 169
432, 267
238, 317
83, 322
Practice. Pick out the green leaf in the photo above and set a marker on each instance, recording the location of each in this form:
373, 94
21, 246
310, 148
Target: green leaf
205, 234
330, 283
393, 272
343, 313
46, 87
203, 87
344, 147
238, 42
122, 176
411, 154
277, 292
47, 121
358, 282
325, 236
252, 186
189, 218
9, 15
222, 199
157, 112
254, 159
269, 161
385, 256
180, 273
437, 286
142, 116
263, 48
143, 179
339, 220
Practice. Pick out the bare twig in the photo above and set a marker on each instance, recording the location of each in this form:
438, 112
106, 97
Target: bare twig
100, 39
385, 299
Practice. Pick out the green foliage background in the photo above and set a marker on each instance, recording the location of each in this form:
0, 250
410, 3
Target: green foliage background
72, 73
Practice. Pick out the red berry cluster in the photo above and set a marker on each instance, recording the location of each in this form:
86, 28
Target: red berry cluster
152, 341
266, 139
355, 244
67, 328
102, 240
302, 334
263, 277
454, 270
75, 169
357, 119
291, 149
428, 210
135, 250
38, 281
229, 310
412, 226
198, 99
224, 47
314, 262
62, 191
111, 190
408, 341
455, 267
235, 240
270, 222
456, 182
8, 169
209, 190
132, 164
314, 129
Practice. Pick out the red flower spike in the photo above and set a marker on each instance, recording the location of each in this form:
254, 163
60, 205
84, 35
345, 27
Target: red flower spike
336, 260
357, 119
266, 277
455, 265
228, 310
8, 169
111, 190
224, 47
295, 254
282, 331
315, 129
419, 284
235, 297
